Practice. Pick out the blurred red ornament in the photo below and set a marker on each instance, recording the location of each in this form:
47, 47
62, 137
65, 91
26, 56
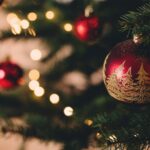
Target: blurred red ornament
126, 72
10, 75
1, 1
87, 28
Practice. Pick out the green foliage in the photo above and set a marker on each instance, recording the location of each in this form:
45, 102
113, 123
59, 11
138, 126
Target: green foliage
125, 125
47, 121
137, 22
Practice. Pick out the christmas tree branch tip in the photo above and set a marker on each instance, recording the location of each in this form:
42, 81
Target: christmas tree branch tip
137, 22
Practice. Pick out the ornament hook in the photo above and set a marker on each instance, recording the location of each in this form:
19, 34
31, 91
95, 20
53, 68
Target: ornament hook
88, 10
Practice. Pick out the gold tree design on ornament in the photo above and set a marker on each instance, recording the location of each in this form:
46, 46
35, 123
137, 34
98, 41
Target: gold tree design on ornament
144, 84
123, 87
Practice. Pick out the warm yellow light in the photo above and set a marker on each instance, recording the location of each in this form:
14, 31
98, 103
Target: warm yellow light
113, 138
25, 24
68, 111
137, 38
13, 31
32, 16
88, 122
39, 91
50, 14
34, 74
36, 54
32, 32
33, 84
68, 27
2, 74
12, 18
54, 98
16, 29
98, 135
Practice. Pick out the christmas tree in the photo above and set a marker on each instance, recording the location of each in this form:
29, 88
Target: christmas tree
51, 73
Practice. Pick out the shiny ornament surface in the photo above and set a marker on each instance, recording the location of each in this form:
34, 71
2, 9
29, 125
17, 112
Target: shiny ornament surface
126, 73
10, 75
87, 28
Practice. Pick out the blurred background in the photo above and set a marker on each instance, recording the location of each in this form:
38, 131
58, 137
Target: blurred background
54, 86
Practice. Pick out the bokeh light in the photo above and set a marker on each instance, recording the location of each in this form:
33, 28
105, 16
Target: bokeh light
33, 84
50, 15
25, 24
88, 122
68, 27
68, 111
2, 74
32, 16
34, 74
12, 19
54, 98
16, 29
39, 91
14, 22
36, 54
32, 32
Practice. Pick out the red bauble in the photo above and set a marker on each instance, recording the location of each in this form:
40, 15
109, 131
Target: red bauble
127, 73
87, 28
10, 75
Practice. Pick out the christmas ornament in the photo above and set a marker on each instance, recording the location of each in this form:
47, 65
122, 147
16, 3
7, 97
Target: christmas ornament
87, 28
126, 72
10, 75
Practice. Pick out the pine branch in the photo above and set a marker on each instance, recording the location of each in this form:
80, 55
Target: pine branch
137, 22
124, 126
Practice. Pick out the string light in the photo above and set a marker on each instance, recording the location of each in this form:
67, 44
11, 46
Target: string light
68, 111
137, 38
34, 74
25, 24
68, 27
13, 31
32, 16
88, 10
54, 98
12, 19
88, 122
32, 32
33, 84
113, 138
98, 135
11, 16
39, 91
14, 22
50, 15
36, 54
2, 74
16, 29
136, 135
